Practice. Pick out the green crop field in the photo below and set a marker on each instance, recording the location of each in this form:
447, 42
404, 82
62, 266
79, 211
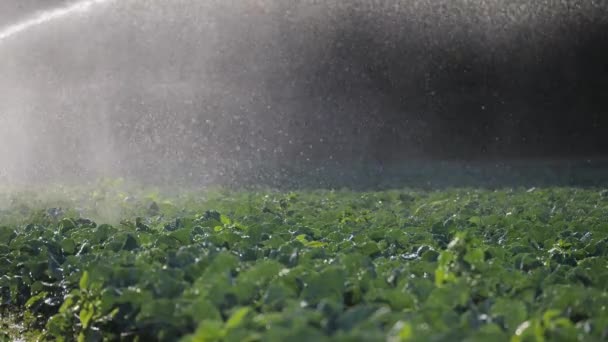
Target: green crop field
465, 264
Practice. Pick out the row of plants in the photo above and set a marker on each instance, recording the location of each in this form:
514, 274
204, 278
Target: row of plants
218, 265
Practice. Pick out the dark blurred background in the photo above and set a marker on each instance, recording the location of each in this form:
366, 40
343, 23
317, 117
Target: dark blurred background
180, 86
455, 79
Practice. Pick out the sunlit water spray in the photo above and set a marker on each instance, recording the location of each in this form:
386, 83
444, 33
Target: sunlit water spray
47, 16
216, 89
16, 144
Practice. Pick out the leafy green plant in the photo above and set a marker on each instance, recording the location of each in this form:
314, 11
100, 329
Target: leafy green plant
117, 262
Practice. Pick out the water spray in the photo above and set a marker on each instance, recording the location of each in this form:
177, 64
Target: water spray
47, 16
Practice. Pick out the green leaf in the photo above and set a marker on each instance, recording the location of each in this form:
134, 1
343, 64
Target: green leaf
302, 238
315, 244
202, 309
7, 234
86, 314
237, 318
512, 311
84, 281
475, 257
369, 248
443, 273
328, 284
209, 331
35, 299
182, 235
476, 220
401, 332
225, 220
66, 225
68, 246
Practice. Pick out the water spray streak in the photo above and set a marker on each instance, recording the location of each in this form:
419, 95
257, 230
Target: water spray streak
47, 16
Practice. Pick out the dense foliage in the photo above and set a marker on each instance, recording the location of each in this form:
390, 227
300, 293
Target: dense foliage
399, 265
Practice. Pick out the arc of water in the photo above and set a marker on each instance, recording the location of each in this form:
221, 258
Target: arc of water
46, 16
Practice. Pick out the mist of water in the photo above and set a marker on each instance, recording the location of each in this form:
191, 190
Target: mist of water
207, 90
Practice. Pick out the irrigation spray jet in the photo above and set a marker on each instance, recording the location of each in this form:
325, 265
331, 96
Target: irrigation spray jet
50, 15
